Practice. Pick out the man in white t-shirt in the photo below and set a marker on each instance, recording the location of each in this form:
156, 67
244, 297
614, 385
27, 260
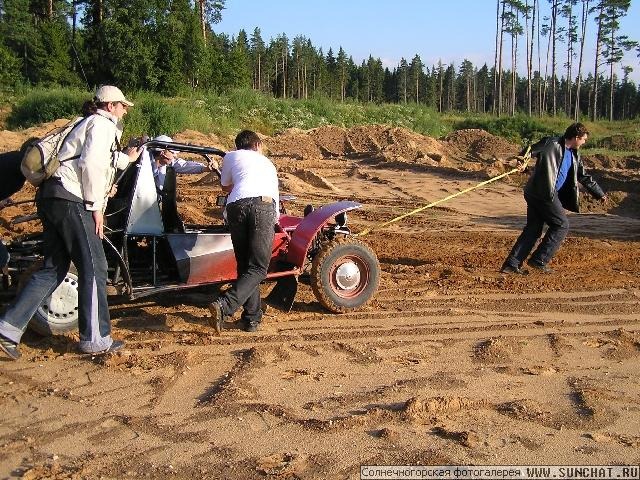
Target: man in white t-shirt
251, 181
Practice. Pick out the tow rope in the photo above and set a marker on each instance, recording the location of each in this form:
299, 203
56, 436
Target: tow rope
525, 160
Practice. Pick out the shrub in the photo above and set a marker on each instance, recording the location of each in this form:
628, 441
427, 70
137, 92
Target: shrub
45, 105
154, 116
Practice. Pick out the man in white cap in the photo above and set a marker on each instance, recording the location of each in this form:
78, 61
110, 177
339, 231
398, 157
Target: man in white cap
163, 158
71, 205
111, 94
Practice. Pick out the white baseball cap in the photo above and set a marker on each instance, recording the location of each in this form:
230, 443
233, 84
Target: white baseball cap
109, 93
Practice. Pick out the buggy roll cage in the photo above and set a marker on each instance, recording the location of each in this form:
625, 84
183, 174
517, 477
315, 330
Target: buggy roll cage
140, 209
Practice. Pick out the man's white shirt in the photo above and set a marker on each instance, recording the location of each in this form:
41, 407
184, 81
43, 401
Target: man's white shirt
251, 174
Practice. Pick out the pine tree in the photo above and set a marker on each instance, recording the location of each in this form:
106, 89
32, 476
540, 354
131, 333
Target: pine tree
466, 82
332, 74
498, 49
554, 42
280, 51
403, 80
210, 12
583, 33
170, 37
51, 54
257, 49
239, 62
529, 12
129, 58
483, 88
513, 27
376, 79
600, 19
18, 32
415, 76
615, 44
341, 70
449, 87
440, 90
197, 57
10, 67
571, 37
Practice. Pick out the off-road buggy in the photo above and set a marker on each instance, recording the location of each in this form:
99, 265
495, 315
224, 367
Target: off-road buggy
151, 250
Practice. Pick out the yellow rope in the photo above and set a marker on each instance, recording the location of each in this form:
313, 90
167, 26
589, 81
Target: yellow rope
526, 157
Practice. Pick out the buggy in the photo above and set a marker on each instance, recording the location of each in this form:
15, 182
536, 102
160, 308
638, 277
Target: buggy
151, 250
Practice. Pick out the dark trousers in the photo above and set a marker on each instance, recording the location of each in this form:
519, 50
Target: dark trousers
4, 255
251, 223
540, 213
69, 235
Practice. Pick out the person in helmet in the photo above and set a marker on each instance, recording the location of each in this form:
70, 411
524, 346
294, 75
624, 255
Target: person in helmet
163, 158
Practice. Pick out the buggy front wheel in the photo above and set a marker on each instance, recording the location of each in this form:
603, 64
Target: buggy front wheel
345, 275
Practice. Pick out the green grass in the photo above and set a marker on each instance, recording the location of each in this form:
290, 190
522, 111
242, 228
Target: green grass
226, 114
45, 105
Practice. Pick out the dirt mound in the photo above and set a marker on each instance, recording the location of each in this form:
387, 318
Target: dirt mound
371, 140
197, 138
304, 181
481, 144
620, 143
332, 141
293, 143
600, 161
465, 150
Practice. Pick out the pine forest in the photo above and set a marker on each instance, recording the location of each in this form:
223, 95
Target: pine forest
171, 47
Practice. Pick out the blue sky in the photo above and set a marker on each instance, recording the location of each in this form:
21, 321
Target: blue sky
451, 30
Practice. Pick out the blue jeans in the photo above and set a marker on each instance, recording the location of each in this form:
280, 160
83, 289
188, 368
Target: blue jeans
68, 235
251, 223
540, 213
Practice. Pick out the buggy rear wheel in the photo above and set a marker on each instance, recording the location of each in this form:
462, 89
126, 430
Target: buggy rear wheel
58, 313
345, 275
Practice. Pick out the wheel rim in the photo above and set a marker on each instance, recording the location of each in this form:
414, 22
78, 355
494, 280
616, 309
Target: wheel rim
349, 276
62, 306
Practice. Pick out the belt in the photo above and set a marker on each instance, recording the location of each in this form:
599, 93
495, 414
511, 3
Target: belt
263, 199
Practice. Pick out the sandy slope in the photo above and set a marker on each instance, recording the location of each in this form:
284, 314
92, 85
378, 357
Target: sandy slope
452, 363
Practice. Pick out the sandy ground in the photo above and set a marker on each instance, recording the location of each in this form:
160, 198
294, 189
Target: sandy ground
452, 363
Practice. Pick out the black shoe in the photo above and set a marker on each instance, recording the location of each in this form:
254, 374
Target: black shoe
216, 318
10, 348
506, 268
251, 326
540, 267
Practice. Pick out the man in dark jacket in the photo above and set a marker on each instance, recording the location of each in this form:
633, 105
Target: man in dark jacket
552, 188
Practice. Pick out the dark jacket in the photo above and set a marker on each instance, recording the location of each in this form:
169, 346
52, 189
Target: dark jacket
542, 183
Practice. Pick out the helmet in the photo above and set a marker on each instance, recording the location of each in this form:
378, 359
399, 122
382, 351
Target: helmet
161, 138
